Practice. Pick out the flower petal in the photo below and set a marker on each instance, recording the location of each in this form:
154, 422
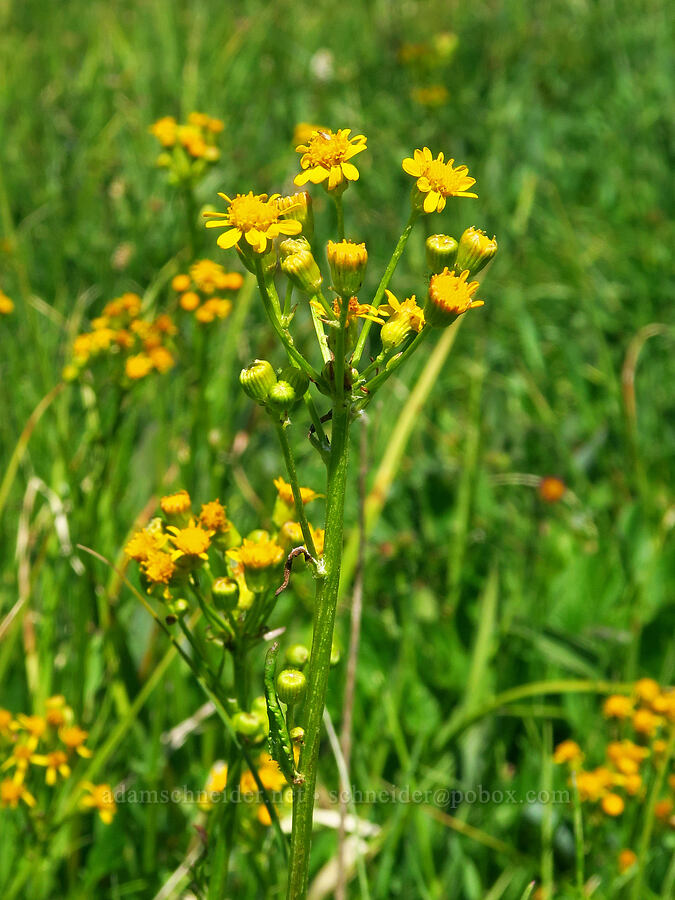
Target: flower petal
430, 201
350, 171
229, 238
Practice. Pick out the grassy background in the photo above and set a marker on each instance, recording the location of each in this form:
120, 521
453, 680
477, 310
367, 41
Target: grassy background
564, 115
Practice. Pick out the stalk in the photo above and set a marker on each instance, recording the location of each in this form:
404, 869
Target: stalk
319, 663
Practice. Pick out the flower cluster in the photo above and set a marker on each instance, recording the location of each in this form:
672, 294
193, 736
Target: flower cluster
41, 749
642, 724
187, 147
6, 304
201, 290
181, 552
121, 334
270, 777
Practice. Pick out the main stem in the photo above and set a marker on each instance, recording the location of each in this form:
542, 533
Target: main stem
319, 663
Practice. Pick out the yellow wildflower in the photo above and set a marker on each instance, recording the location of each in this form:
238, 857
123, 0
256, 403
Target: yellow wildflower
208, 276
285, 492
449, 296
551, 489
12, 791
326, 157
74, 738
145, 542
213, 517
216, 783
258, 555
162, 359
165, 130
189, 301
303, 132
180, 283
645, 722
159, 567
254, 217
137, 367
20, 758
437, 179
647, 689
191, 542
56, 763
57, 710
627, 858
34, 725
568, 752
100, 797
617, 706
176, 504
6, 305
6, 722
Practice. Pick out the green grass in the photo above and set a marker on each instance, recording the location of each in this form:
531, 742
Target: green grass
563, 113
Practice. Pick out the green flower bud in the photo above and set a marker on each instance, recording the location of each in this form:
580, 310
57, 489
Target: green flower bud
291, 246
281, 397
225, 593
441, 251
176, 609
298, 207
297, 734
395, 331
291, 686
475, 251
164, 161
296, 378
302, 270
334, 654
297, 656
257, 380
248, 724
258, 536
347, 262
259, 706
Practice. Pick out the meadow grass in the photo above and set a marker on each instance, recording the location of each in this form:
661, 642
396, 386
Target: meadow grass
472, 584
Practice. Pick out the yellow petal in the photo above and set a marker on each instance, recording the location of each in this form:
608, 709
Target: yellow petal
430, 202
229, 238
411, 167
350, 172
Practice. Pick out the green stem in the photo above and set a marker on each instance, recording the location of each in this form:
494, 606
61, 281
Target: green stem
319, 663
339, 208
295, 487
282, 333
384, 283
396, 362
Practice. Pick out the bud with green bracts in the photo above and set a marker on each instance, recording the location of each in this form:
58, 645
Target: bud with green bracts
257, 380
395, 330
475, 251
441, 251
248, 724
291, 686
297, 656
298, 734
299, 207
282, 397
302, 270
347, 262
290, 246
225, 593
296, 378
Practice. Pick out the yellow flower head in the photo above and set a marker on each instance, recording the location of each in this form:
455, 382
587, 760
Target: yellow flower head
645, 722
403, 318
162, 359
34, 725
145, 542
189, 301
74, 738
568, 752
6, 305
437, 180
285, 492
57, 710
137, 367
180, 283
159, 567
191, 542
355, 311
216, 783
450, 295
254, 217
208, 276
213, 517
303, 132
20, 758
627, 858
326, 157
647, 689
56, 763
176, 504
613, 804
617, 706
100, 797
6, 721
257, 555
214, 308
550, 488
165, 130
12, 791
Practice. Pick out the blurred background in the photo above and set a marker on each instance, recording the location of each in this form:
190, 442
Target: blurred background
474, 583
